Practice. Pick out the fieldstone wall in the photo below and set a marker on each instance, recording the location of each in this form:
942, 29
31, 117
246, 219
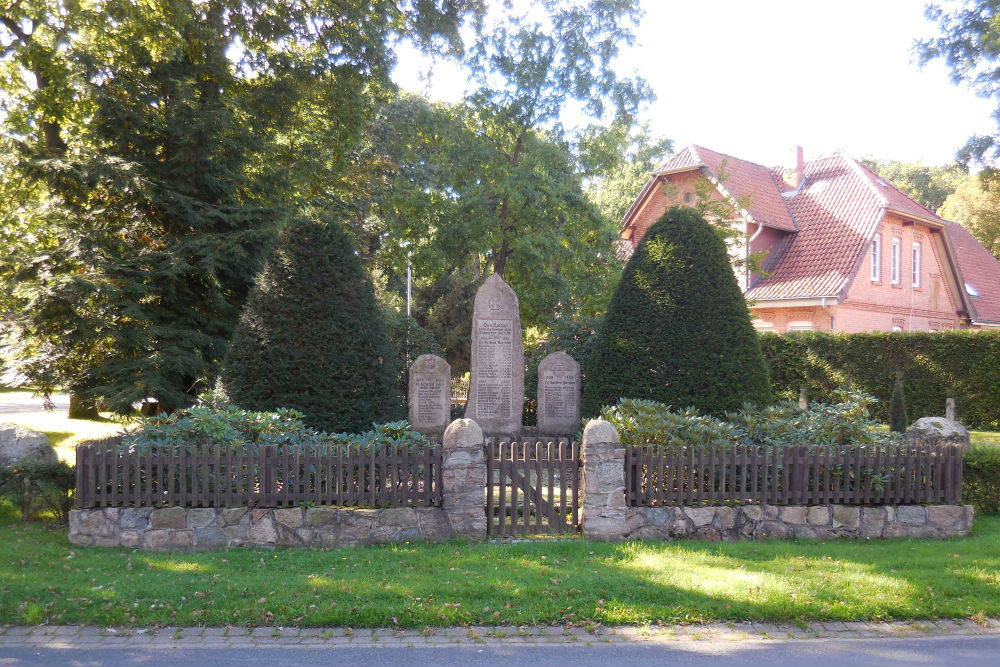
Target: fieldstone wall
823, 522
207, 528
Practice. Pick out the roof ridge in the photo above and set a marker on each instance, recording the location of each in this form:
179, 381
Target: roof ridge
851, 162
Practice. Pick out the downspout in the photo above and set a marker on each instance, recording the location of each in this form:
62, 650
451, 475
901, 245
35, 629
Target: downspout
822, 304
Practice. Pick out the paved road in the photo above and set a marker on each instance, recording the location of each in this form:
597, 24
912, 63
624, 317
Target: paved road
920, 643
11, 404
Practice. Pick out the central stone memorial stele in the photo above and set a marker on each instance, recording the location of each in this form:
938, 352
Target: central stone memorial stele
496, 385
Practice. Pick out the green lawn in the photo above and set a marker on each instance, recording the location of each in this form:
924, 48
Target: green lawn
64, 433
45, 579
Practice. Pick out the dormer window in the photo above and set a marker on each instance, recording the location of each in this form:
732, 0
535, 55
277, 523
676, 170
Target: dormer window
876, 258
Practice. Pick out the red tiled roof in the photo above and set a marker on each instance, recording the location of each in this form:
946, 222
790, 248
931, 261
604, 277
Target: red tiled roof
978, 269
837, 211
754, 183
830, 220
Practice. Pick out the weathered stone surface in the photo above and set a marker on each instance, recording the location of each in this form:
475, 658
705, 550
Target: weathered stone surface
257, 514
168, 517
602, 503
496, 386
130, 539
289, 516
601, 431
845, 516
93, 523
429, 395
22, 444
819, 516
946, 515
398, 517
168, 540
234, 515
772, 530
873, 520
263, 530
700, 516
727, 517
938, 431
130, 520
202, 517
794, 515
463, 474
752, 512
558, 394
321, 516
206, 539
911, 514
433, 522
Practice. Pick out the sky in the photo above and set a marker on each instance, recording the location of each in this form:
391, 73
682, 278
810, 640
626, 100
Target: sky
755, 78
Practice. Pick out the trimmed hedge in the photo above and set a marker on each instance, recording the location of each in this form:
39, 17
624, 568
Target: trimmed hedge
981, 479
677, 330
960, 364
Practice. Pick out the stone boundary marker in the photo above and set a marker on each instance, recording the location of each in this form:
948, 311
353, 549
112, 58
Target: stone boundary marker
238, 637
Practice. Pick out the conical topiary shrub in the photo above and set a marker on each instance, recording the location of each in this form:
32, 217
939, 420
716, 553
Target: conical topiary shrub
897, 407
678, 330
311, 336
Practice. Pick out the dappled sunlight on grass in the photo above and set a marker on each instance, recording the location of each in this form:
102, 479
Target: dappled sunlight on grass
177, 566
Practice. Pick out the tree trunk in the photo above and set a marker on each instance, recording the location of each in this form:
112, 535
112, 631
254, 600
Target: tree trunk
81, 408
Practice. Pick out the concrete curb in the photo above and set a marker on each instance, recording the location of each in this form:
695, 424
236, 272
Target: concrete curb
195, 637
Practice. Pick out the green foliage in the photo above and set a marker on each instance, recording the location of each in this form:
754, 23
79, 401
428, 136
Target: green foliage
981, 478
37, 487
677, 330
312, 336
937, 365
217, 422
975, 204
928, 185
897, 407
150, 151
846, 422
640, 422
408, 341
967, 44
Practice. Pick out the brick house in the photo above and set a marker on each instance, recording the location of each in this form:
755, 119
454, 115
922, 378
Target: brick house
843, 249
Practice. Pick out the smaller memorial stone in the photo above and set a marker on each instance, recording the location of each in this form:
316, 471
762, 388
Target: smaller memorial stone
430, 394
558, 395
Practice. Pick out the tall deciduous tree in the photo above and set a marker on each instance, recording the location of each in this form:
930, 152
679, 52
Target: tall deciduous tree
928, 185
158, 145
976, 206
969, 44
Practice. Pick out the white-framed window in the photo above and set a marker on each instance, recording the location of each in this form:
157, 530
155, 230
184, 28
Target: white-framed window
894, 257
916, 264
800, 326
877, 258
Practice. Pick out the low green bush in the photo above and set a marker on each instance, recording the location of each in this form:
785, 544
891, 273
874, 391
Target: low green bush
216, 422
981, 479
35, 488
849, 422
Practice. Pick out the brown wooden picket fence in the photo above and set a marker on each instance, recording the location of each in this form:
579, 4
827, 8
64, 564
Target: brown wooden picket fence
532, 486
110, 475
796, 475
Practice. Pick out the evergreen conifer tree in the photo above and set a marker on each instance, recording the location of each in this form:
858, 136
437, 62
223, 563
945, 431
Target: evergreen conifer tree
312, 337
897, 407
678, 329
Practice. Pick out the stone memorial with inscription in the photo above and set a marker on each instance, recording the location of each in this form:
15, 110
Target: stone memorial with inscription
496, 386
558, 395
430, 394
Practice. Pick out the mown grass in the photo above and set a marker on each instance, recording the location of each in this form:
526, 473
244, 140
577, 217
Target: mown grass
63, 433
45, 579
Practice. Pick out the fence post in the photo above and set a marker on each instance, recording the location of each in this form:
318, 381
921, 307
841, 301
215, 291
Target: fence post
603, 486
463, 479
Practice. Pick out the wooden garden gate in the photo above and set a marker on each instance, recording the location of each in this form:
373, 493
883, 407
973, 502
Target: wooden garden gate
532, 486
